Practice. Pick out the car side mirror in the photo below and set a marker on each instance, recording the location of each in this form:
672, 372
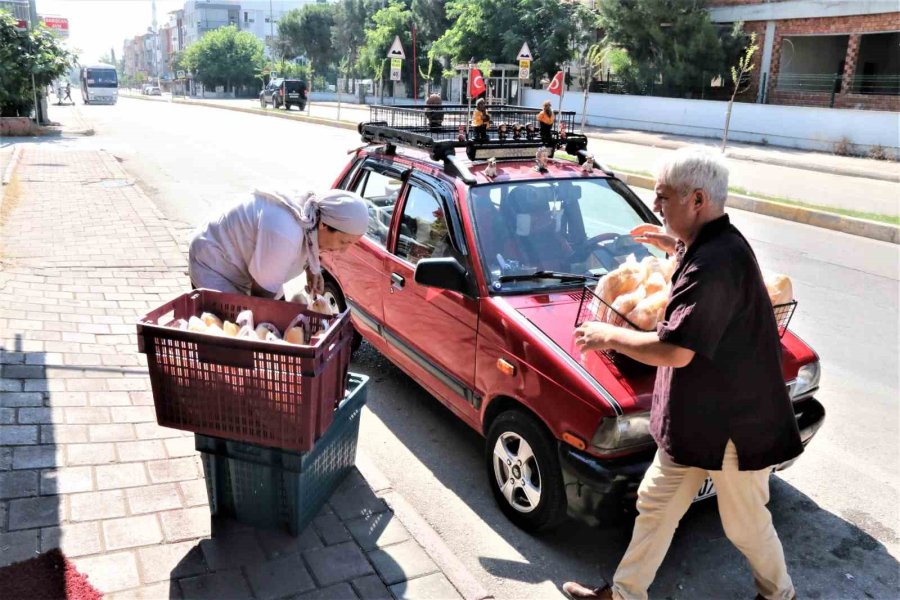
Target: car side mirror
443, 273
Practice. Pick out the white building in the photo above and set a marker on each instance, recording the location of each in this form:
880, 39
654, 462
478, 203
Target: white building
260, 17
201, 16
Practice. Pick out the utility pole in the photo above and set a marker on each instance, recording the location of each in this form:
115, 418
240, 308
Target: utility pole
156, 43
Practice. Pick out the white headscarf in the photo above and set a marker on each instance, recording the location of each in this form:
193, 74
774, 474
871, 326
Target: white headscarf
339, 209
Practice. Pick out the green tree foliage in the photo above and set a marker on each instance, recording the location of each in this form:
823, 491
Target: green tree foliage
225, 56
307, 32
389, 22
349, 32
496, 29
23, 54
672, 46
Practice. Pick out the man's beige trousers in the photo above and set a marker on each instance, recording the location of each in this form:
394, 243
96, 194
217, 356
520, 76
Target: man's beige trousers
664, 496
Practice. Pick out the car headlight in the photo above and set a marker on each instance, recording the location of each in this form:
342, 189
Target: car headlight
621, 433
807, 380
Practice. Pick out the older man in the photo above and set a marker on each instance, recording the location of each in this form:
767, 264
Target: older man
720, 407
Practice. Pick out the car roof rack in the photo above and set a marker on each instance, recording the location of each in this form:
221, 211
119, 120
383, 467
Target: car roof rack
440, 129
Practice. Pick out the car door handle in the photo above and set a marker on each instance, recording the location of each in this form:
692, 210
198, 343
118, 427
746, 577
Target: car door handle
397, 281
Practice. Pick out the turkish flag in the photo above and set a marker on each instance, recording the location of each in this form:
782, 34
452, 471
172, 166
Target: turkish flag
556, 84
476, 84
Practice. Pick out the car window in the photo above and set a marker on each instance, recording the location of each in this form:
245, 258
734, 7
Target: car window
577, 226
423, 227
381, 193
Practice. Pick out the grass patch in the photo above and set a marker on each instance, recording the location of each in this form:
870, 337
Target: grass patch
847, 212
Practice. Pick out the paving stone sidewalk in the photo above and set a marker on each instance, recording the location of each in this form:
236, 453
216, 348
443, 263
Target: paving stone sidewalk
83, 464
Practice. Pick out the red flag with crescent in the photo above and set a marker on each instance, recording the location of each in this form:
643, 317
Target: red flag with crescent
476, 83
556, 84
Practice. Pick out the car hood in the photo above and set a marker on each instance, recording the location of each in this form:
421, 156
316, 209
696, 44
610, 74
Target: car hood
630, 383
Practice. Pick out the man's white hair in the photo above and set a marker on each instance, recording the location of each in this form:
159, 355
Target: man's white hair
696, 167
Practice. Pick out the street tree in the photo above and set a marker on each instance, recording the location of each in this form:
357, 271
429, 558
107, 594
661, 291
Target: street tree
307, 32
391, 21
740, 80
672, 46
349, 32
496, 29
225, 57
593, 68
24, 54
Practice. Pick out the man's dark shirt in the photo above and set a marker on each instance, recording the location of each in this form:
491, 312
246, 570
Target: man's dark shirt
733, 388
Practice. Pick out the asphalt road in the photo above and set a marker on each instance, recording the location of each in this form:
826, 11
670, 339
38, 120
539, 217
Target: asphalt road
836, 510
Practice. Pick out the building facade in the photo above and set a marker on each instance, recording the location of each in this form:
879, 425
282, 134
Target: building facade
835, 53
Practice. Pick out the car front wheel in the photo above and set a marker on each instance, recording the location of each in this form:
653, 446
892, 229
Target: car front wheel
335, 299
524, 473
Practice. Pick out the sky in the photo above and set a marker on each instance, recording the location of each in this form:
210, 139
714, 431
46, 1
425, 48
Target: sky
95, 26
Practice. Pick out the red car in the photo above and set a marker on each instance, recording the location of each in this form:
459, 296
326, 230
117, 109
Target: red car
471, 282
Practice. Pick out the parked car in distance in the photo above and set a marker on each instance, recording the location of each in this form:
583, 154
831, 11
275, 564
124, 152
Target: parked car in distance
470, 280
284, 93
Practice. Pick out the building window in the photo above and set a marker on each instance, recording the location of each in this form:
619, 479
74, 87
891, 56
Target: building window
812, 63
878, 65
246, 17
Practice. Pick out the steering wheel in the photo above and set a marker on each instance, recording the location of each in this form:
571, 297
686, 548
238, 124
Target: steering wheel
616, 245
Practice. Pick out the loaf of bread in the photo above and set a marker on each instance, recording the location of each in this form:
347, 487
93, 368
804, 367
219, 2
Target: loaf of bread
780, 288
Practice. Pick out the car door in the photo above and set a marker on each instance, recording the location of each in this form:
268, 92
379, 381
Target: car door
360, 270
434, 330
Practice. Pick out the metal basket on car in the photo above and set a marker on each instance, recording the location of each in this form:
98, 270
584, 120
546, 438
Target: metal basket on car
783, 314
592, 307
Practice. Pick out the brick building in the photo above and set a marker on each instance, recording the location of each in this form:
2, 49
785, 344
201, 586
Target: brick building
840, 53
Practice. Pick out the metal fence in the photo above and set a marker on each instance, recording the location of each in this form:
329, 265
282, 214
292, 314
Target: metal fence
444, 122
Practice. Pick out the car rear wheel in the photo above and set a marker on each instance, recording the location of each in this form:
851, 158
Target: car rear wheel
335, 299
524, 473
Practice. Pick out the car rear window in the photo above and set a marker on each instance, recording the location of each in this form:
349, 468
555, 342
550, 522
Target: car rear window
294, 86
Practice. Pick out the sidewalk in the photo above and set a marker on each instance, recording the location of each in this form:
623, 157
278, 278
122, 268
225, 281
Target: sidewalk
85, 467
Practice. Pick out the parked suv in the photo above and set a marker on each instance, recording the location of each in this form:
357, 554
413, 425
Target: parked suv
284, 93
470, 281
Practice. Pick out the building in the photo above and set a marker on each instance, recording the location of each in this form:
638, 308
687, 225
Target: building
200, 16
837, 53
261, 17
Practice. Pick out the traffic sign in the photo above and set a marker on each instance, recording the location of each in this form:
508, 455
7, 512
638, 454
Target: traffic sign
395, 74
396, 50
524, 69
396, 63
180, 74
525, 53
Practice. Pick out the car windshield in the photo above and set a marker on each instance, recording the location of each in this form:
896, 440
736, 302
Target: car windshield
537, 234
102, 78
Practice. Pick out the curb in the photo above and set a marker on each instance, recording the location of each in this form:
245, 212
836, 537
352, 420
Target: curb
816, 218
808, 216
458, 575
258, 111
7, 174
738, 154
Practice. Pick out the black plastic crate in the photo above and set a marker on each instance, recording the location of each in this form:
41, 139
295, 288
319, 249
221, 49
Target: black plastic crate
273, 488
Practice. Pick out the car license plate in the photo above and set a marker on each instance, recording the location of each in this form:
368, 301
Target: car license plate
293, 95
707, 490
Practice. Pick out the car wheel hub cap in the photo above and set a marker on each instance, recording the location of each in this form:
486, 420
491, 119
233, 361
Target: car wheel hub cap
517, 472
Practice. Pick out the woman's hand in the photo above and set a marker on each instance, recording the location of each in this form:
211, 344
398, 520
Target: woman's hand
655, 236
315, 284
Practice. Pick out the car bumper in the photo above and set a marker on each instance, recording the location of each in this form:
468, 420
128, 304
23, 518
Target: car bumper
597, 489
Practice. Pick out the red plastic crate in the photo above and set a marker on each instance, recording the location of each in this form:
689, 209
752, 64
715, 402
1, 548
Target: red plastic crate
279, 395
